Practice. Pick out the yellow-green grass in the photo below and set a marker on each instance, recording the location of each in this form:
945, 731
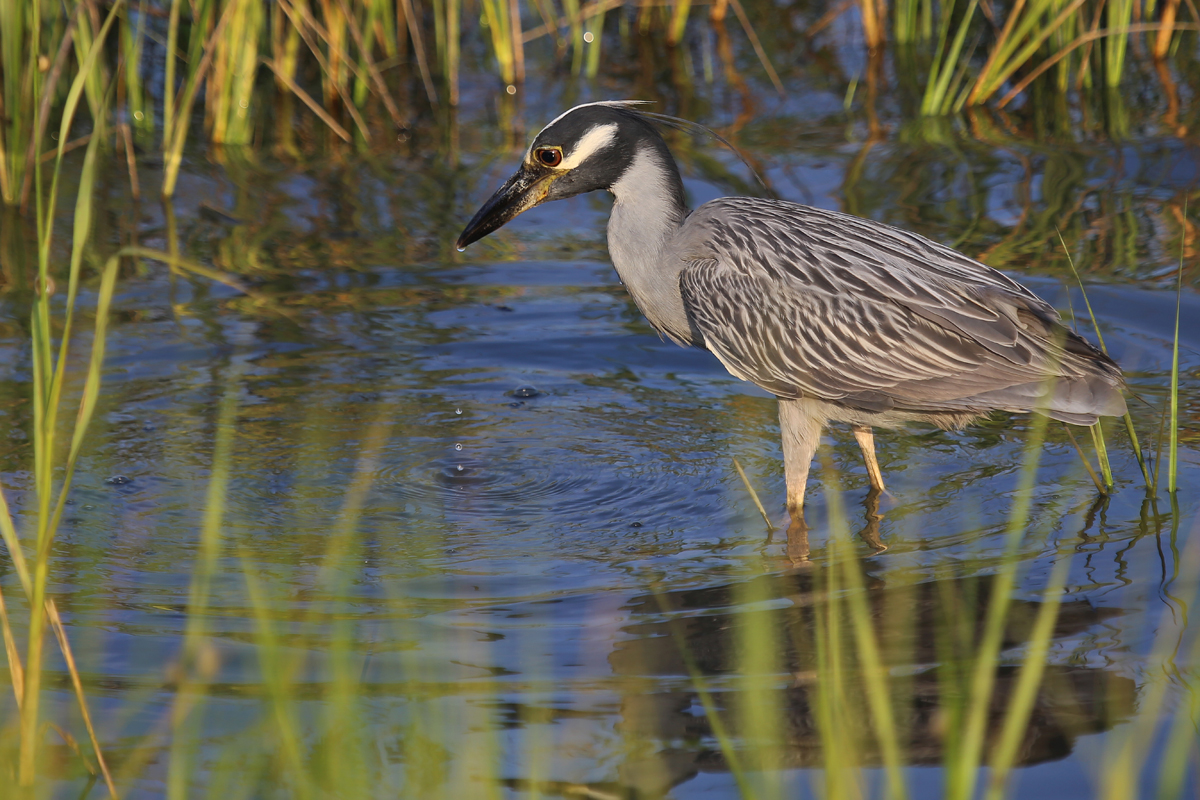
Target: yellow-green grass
360, 56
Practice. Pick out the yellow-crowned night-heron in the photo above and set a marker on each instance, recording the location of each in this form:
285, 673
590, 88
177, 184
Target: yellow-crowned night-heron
843, 319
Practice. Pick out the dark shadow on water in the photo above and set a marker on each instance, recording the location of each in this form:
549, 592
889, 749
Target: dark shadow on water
677, 637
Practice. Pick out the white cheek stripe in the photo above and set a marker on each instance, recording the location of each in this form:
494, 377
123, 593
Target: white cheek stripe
594, 140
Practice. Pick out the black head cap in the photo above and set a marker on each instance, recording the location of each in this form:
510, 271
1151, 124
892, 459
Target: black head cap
588, 148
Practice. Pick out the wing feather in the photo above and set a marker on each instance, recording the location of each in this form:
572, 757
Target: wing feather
811, 303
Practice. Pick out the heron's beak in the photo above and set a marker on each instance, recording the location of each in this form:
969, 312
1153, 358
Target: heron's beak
524, 190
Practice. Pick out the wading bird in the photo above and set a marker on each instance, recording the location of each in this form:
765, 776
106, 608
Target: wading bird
843, 319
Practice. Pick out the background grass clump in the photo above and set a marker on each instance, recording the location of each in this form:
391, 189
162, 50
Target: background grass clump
364, 69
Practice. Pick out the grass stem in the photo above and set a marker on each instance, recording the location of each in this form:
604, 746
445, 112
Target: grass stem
753, 495
1173, 445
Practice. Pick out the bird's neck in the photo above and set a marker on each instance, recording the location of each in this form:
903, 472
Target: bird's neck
647, 213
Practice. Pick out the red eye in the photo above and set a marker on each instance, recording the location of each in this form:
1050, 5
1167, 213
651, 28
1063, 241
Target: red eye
549, 157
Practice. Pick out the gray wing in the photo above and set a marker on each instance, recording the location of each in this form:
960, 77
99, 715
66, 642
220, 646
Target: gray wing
812, 303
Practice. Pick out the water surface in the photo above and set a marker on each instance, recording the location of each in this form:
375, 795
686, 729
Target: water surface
553, 548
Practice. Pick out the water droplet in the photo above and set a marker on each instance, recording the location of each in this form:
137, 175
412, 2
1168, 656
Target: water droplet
244, 104
461, 249
458, 447
138, 115
460, 467
589, 37
510, 89
458, 411
525, 391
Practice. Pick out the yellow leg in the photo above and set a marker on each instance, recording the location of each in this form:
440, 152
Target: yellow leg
866, 440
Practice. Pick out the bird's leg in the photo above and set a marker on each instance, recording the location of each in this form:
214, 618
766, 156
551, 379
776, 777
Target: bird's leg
870, 532
801, 432
866, 440
797, 540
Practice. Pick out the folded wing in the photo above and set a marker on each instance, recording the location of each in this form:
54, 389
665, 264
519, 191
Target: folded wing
810, 303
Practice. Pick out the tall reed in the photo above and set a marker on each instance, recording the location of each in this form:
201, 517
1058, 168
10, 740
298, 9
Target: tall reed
139, 103
217, 46
942, 90
1173, 443
54, 460
230, 86
504, 35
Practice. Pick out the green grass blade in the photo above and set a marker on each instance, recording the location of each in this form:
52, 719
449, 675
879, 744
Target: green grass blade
1100, 487
720, 732
1133, 437
596, 29
1020, 705
961, 776
1181, 736
45, 416
190, 694
679, 20
281, 696
1102, 454
937, 92
1128, 749
1173, 445
875, 674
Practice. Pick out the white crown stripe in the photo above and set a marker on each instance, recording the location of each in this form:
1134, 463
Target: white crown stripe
592, 141
609, 103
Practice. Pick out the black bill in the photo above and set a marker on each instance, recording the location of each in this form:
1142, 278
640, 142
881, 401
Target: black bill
524, 190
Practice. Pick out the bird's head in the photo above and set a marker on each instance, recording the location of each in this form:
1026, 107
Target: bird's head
588, 148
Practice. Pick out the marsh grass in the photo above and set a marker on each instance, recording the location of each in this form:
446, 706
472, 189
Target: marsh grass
365, 53
54, 463
1097, 430
1173, 444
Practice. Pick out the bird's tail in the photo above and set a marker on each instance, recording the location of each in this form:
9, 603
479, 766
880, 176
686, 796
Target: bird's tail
1084, 384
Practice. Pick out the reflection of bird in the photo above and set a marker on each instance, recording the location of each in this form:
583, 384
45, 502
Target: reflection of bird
844, 319
673, 635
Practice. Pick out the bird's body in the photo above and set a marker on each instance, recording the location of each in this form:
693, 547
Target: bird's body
843, 319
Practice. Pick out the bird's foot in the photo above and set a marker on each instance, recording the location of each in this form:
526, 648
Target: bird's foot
873, 516
797, 537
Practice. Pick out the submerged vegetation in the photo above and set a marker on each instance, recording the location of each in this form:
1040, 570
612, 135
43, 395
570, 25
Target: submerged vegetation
826, 657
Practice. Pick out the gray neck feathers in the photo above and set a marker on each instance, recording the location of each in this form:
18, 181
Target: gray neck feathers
647, 214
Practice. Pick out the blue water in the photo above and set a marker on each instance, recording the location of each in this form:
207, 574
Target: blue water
553, 544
